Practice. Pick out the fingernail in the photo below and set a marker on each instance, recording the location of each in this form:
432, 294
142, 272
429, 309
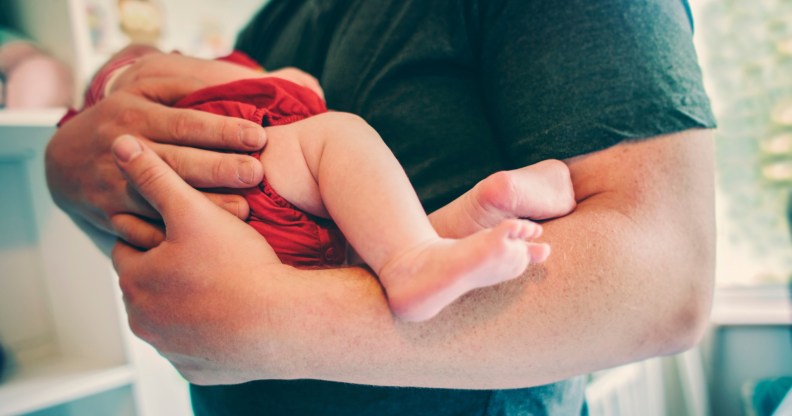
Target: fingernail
252, 137
126, 148
246, 173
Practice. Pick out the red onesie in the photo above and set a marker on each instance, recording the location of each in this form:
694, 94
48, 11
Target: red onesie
298, 238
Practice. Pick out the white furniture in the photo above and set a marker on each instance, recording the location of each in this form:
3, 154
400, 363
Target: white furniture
749, 341
85, 33
61, 313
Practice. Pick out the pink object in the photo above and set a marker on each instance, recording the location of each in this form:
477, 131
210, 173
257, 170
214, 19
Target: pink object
34, 79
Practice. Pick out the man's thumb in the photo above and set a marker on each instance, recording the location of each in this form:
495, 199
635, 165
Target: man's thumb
154, 179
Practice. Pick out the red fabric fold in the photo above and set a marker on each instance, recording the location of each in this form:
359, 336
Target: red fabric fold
298, 238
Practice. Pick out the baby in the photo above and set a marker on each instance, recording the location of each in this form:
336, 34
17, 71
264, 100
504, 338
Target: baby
336, 166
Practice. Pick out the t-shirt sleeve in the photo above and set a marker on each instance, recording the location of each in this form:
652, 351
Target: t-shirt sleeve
563, 78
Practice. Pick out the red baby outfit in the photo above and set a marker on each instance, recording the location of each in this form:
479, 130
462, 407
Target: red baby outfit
299, 239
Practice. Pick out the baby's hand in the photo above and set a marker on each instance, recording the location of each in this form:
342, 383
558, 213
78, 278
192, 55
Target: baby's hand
538, 192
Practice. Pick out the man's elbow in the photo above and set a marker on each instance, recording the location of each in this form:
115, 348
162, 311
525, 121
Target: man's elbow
687, 316
689, 323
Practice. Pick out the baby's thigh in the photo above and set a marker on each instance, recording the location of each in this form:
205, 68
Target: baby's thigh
286, 170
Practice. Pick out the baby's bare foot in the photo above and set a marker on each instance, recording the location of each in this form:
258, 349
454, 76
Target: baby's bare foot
540, 191
424, 280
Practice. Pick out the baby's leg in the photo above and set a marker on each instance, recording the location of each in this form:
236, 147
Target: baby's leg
423, 280
365, 190
539, 191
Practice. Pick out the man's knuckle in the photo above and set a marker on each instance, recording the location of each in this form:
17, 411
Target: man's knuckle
150, 177
173, 158
95, 199
146, 67
219, 171
106, 131
130, 116
230, 133
182, 127
126, 285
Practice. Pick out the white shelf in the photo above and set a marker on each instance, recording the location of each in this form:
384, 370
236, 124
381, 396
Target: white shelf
58, 294
39, 117
58, 381
752, 305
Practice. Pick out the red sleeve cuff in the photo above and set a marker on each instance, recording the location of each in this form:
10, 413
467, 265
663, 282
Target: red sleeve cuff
95, 91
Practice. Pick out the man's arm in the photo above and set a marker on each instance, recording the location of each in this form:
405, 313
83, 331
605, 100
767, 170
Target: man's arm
630, 277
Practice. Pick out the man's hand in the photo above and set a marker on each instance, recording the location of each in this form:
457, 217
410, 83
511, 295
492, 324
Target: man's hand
159, 306
85, 182
83, 179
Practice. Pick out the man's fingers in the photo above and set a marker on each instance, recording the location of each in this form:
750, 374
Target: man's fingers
210, 169
154, 179
235, 204
167, 90
201, 129
135, 203
124, 258
187, 127
137, 231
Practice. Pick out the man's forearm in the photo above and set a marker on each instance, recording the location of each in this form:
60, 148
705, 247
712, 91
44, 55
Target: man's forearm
630, 277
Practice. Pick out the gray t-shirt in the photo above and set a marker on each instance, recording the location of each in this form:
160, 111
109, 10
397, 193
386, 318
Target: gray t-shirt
459, 89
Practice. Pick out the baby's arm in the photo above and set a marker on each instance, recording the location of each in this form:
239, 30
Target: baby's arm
538, 192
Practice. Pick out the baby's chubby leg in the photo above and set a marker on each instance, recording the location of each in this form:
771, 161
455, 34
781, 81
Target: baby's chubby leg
426, 278
538, 192
336, 164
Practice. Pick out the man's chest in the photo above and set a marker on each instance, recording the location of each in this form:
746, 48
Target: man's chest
410, 70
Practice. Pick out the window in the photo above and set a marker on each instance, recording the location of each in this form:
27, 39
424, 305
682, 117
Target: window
745, 49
